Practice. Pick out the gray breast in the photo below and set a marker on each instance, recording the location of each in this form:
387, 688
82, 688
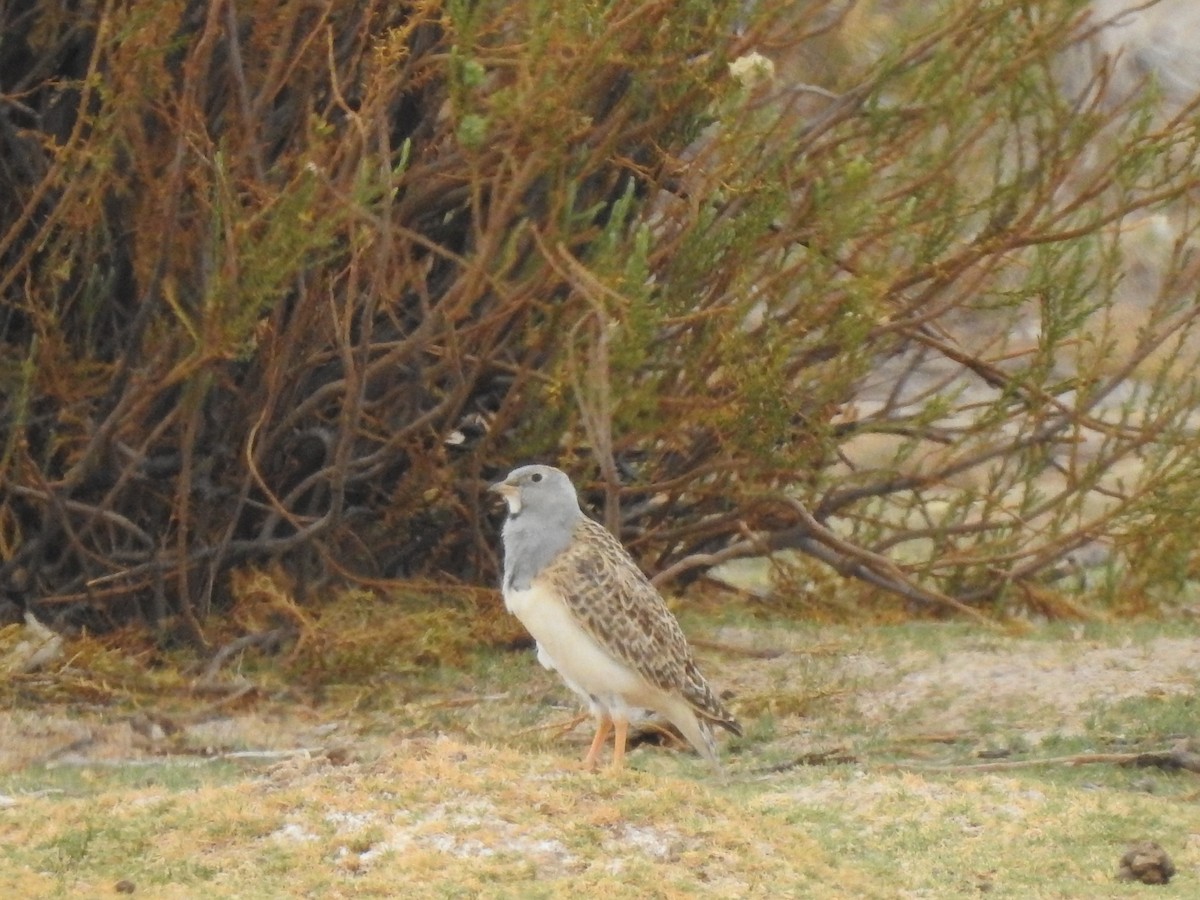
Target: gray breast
529, 546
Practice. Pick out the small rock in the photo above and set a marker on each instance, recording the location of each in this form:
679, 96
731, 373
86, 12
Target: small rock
1146, 862
125, 886
40, 648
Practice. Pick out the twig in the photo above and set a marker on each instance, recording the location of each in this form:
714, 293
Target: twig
735, 650
1169, 760
593, 393
199, 758
233, 693
77, 744
257, 639
563, 728
462, 702
270, 754
849, 559
835, 756
708, 560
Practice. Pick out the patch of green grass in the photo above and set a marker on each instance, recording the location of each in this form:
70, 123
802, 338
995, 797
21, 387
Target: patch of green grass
171, 775
1146, 722
955, 835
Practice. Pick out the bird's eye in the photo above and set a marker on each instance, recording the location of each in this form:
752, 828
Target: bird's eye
535, 477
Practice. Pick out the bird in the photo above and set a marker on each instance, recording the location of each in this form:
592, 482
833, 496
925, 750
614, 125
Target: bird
597, 620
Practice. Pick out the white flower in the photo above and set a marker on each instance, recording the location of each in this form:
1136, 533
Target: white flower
752, 69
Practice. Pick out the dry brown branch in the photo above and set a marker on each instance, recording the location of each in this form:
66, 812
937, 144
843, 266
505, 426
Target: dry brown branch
1175, 759
200, 757
835, 756
268, 639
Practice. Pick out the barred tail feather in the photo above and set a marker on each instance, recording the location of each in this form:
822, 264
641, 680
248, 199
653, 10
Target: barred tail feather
698, 693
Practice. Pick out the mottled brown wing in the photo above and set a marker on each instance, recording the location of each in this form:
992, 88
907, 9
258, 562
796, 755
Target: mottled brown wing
626, 615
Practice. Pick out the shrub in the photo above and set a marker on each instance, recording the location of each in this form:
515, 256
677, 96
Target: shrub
866, 295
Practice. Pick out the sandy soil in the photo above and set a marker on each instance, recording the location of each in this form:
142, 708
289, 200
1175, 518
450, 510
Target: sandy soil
1050, 687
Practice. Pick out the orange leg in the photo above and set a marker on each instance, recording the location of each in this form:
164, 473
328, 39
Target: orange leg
603, 726
622, 729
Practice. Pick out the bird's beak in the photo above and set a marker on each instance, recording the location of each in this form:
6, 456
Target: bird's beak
510, 493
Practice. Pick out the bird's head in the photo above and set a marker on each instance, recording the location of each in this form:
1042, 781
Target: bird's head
543, 490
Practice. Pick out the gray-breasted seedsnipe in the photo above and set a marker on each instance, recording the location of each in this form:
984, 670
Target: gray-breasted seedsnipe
597, 620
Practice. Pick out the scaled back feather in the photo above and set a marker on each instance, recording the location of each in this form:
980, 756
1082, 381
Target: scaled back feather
623, 612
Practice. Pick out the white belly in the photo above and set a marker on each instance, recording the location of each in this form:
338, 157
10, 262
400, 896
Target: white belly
564, 646
610, 687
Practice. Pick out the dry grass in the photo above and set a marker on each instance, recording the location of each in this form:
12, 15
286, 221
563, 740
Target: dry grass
456, 782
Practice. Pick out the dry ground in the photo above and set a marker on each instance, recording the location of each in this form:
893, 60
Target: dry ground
854, 779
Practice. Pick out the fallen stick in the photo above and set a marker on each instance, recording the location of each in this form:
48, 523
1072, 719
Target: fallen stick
1177, 758
736, 650
197, 758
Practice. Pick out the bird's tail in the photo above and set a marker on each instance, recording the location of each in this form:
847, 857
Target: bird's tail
706, 704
